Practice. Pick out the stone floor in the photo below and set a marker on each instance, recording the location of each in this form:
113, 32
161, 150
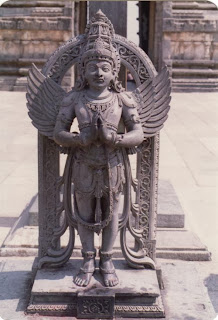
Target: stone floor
188, 159
189, 290
18, 159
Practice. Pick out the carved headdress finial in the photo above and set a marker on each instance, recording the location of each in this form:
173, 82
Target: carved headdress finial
99, 25
99, 36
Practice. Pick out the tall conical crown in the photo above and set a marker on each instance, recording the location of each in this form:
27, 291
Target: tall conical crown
98, 44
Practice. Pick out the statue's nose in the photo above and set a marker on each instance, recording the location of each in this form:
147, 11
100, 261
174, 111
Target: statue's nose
99, 72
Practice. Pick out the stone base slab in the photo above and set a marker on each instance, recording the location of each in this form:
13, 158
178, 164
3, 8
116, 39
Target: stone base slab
136, 296
171, 244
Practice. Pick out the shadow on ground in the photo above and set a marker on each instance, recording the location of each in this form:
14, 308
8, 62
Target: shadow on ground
211, 283
16, 285
7, 222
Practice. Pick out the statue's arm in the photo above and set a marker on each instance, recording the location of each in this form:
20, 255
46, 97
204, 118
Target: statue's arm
62, 134
66, 115
134, 135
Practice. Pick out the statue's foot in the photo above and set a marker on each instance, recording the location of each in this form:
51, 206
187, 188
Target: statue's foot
107, 269
109, 276
84, 276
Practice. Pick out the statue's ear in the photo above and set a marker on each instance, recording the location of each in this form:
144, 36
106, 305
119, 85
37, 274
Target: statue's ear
115, 73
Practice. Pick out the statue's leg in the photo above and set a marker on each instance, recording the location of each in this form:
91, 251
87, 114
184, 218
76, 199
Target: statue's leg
85, 209
108, 238
109, 233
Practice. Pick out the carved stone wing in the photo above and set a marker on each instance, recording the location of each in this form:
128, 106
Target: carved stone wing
44, 97
153, 98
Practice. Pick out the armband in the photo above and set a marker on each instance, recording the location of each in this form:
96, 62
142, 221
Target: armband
133, 119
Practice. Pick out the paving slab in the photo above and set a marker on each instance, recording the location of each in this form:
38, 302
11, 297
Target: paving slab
178, 239
191, 135
186, 295
169, 211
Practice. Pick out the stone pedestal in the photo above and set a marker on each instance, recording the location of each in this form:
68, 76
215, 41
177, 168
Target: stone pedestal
137, 294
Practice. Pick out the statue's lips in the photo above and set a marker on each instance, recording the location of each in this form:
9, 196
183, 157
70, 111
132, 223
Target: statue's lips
99, 80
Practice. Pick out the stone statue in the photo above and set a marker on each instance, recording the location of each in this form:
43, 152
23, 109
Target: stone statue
97, 163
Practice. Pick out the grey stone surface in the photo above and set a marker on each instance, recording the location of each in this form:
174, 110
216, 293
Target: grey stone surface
169, 211
178, 239
132, 281
33, 214
187, 255
136, 289
190, 290
195, 303
181, 244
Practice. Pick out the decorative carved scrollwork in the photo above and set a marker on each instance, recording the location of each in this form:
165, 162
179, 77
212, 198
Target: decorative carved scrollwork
145, 187
48, 196
137, 309
134, 61
95, 307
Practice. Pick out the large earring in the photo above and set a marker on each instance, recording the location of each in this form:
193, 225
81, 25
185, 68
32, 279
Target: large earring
110, 85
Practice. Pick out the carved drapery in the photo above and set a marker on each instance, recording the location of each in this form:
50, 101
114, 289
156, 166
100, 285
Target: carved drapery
141, 68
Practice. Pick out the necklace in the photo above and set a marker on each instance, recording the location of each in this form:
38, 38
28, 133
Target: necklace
97, 105
99, 98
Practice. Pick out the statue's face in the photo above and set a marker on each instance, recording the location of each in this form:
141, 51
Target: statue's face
98, 74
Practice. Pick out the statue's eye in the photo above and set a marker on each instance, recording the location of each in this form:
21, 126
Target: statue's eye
91, 68
105, 69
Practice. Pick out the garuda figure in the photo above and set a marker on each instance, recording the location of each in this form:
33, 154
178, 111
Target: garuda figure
97, 163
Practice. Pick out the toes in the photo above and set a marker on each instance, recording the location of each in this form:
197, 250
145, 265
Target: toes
79, 282
85, 283
106, 282
82, 280
111, 283
76, 280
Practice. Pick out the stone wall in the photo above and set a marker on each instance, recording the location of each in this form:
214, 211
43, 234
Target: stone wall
186, 38
29, 32
190, 45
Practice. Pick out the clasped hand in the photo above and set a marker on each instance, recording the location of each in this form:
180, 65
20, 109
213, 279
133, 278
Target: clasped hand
98, 133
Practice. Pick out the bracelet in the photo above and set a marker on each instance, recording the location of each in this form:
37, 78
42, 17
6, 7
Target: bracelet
114, 137
119, 138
